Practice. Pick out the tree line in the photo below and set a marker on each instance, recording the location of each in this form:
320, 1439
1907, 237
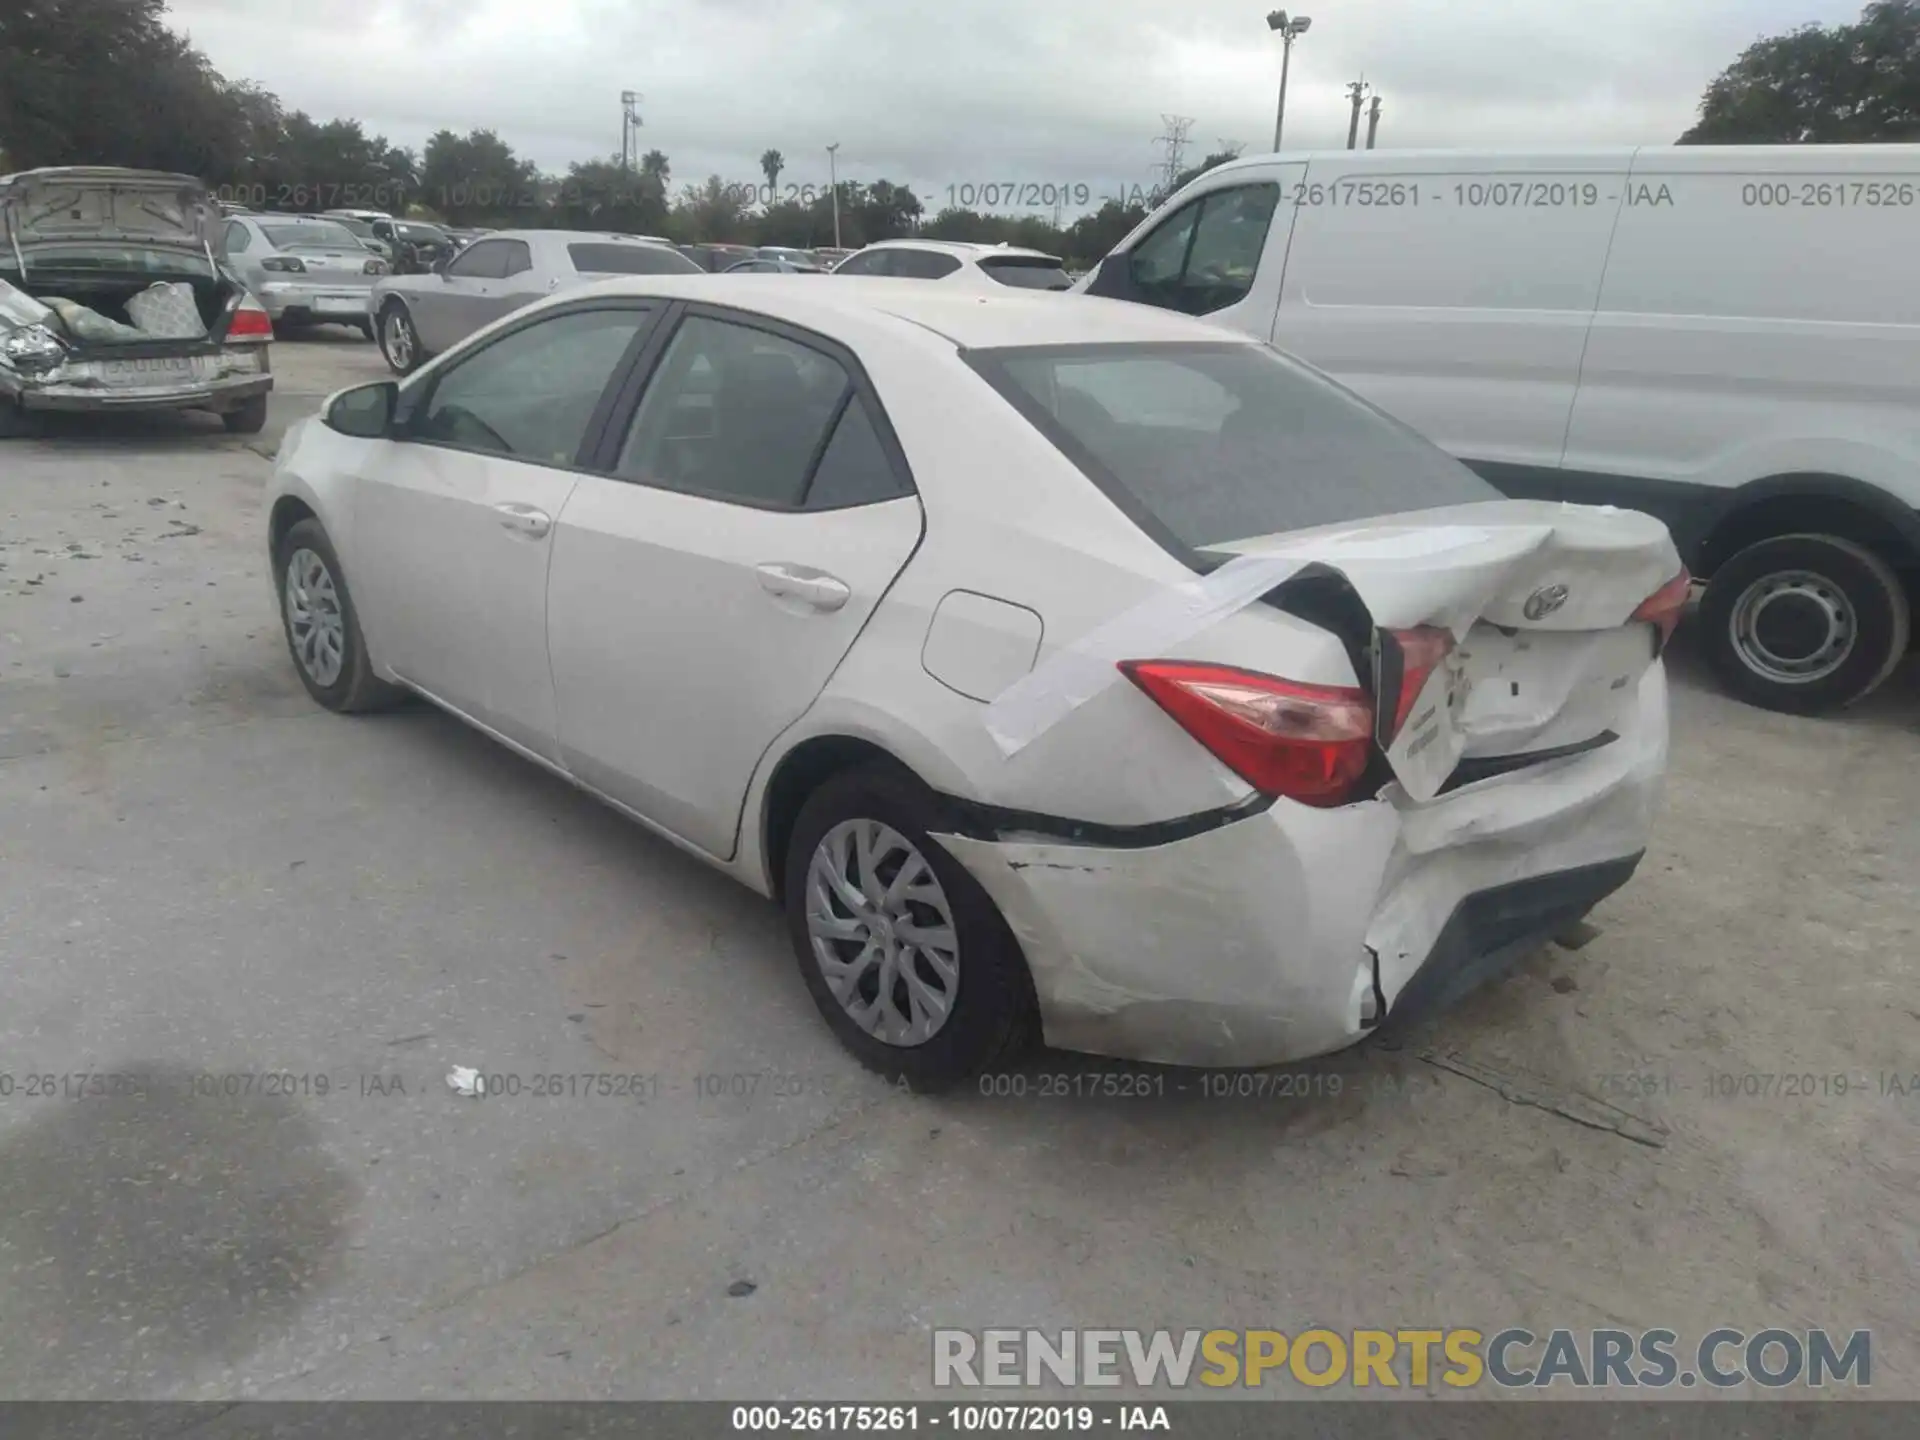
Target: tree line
107, 82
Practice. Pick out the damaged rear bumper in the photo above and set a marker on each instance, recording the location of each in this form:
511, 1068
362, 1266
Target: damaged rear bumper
63, 390
1295, 932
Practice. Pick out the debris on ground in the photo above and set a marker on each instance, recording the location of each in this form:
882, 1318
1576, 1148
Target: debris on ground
464, 1080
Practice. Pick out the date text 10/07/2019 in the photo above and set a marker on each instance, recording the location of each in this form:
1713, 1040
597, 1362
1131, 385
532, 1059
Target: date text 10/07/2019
955, 1419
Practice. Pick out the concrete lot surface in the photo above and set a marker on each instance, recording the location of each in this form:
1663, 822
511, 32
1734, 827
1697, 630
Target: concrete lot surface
205, 878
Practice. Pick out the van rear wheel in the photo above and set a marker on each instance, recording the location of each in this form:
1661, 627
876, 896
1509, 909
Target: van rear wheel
1805, 624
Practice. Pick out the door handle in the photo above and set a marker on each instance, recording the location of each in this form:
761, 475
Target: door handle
524, 519
810, 587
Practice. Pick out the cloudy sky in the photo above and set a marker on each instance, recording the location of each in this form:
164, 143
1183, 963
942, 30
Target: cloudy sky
976, 91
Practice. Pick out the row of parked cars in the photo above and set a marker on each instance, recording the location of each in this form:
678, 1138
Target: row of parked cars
1567, 326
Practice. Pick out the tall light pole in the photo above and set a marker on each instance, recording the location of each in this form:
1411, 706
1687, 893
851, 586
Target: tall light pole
1290, 29
833, 184
628, 120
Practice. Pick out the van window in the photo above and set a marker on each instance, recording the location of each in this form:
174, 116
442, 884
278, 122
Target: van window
1206, 443
1204, 255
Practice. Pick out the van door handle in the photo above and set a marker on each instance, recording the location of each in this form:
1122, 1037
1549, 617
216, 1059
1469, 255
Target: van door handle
524, 519
810, 587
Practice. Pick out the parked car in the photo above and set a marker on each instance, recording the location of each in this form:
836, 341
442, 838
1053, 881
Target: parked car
717, 257
420, 315
113, 296
361, 230
1644, 328
417, 246
304, 270
763, 265
792, 255
982, 266
830, 256
1061, 668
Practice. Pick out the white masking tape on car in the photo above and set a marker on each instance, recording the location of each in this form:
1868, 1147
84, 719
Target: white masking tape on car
1059, 685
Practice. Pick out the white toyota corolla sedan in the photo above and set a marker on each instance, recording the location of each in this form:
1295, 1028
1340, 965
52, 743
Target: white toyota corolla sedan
1065, 669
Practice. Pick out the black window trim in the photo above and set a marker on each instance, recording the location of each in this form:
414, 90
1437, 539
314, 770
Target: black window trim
413, 402
603, 457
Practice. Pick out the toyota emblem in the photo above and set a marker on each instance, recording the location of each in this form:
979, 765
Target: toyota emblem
1544, 601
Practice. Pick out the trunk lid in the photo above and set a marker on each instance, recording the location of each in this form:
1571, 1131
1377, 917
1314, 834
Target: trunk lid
82, 203
1538, 599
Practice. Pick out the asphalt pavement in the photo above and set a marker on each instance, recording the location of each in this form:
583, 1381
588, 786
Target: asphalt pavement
243, 943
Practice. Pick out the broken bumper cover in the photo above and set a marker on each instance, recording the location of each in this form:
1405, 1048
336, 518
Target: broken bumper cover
64, 390
1295, 932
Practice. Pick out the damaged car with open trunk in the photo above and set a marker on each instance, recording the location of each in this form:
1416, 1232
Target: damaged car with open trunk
115, 295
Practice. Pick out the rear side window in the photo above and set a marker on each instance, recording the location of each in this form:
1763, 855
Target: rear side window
922, 264
1027, 272
1206, 444
854, 469
1204, 256
591, 259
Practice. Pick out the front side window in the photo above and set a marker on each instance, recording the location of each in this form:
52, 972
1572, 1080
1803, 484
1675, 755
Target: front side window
519, 257
1204, 256
874, 262
735, 413
484, 260
1210, 443
531, 394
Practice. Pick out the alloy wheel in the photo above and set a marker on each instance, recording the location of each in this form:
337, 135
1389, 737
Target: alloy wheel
314, 618
882, 931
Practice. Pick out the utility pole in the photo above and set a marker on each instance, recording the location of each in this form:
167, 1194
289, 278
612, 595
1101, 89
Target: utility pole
1373, 121
629, 122
833, 184
1173, 145
1289, 29
1355, 92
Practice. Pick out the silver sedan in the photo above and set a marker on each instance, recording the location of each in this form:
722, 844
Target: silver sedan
304, 270
418, 316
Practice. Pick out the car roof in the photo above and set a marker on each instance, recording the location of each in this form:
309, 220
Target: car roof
964, 249
960, 316
574, 237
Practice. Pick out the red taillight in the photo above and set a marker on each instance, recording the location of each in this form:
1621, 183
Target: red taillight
1310, 743
250, 322
1423, 650
1663, 608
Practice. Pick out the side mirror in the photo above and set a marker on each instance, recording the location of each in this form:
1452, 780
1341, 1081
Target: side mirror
366, 411
440, 265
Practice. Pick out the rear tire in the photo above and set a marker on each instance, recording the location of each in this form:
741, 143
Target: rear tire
343, 681
15, 421
249, 418
399, 342
990, 1015
1805, 624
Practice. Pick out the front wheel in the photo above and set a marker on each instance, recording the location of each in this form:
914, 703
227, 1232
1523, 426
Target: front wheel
1805, 624
322, 627
905, 954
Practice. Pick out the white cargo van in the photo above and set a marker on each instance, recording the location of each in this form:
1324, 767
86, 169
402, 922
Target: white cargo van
1727, 338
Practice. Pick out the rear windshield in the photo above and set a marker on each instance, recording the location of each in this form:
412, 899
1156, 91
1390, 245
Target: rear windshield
422, 234
312, 232
1027, 272
1203, 444
629, 260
